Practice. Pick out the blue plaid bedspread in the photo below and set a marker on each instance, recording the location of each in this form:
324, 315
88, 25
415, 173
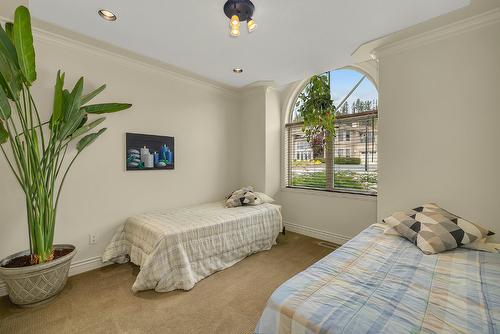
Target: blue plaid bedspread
378, 283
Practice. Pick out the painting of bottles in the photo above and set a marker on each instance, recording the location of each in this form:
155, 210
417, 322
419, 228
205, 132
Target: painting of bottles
149, 152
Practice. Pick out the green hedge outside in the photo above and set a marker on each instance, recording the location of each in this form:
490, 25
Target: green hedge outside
347, 161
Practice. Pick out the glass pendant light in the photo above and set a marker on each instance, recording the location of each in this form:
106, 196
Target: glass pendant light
251, 25
235, 21
235, 31
235, 26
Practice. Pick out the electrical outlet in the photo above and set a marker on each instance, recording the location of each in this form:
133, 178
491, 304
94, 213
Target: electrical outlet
92, 239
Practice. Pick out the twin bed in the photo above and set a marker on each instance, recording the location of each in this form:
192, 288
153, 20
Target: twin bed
379, 283
375, 283
179, 247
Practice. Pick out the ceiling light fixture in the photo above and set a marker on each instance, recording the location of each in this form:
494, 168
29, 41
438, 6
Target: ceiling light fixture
251, 25
239, 11
235, 20
237, 70
235, 31
235, 26
107, 15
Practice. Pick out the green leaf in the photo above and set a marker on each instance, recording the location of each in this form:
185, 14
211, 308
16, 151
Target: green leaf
4, 106
66, 95
9, 75
23, 40
84, 120
4, 135
9, 66
73, 116
86, 99
9, 29
88, 139
57, 112
84, 129
105, 108
3, 85
74, 101
7, 46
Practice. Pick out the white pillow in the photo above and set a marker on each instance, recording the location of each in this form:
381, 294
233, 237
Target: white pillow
264, 198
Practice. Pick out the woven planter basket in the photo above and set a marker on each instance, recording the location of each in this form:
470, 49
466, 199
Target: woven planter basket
35, 285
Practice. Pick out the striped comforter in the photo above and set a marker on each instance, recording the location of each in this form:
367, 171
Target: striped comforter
179, 247
377, 283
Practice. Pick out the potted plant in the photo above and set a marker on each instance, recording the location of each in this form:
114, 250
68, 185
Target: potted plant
316, 107
36, 152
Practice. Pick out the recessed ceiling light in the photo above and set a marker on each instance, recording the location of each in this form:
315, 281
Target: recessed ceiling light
237, 70
107, 15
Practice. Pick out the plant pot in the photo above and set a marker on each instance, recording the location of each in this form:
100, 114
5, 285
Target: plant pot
35, 285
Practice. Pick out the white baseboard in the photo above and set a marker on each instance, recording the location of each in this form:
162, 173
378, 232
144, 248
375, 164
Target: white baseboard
82, 266
76, 268
315, 233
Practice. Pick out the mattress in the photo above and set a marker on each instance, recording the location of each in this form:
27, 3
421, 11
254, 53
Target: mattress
377, 283
178, 247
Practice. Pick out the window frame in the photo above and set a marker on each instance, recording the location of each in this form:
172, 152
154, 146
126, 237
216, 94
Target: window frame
288, 113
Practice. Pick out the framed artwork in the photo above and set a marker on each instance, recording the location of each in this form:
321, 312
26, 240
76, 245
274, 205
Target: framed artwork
149, 152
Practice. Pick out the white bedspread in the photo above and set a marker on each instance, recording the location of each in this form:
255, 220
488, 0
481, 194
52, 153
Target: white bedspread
179, 247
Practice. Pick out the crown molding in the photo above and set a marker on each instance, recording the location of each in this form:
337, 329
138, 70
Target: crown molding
257, 85
87, 44
449, 30
262, 83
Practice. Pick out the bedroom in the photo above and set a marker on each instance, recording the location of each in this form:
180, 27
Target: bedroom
427, 134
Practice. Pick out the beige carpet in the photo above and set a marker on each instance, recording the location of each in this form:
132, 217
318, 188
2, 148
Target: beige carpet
230, 301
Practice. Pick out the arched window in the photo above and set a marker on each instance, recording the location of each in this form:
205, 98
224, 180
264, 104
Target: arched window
352, 164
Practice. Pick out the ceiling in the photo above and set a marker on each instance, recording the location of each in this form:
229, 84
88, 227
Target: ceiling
294, 38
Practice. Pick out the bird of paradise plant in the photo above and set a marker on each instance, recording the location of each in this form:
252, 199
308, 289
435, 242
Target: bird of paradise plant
36, 151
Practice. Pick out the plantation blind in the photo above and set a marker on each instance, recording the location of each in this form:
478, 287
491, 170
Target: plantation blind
349, 164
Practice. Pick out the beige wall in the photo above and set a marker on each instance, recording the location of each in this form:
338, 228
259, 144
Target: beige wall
253, 138
260, 138
273, 136
99, 194
438, 125
328, 216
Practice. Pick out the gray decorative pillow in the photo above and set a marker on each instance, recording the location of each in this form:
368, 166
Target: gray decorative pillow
435, 230
241, 197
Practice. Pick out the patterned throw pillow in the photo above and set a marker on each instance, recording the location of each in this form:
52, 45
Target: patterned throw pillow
241, 197
435, 230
